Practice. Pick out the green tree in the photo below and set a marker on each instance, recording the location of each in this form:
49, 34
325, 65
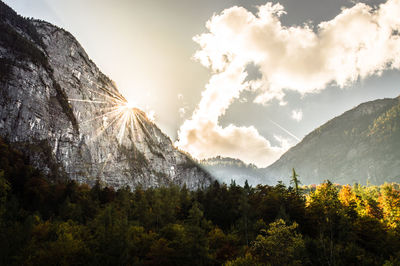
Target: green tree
247, 260
295, 181
197, 244
244, 208
223, 246
281, 244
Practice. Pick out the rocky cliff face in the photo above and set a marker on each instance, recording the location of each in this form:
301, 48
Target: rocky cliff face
361, 145
58, 107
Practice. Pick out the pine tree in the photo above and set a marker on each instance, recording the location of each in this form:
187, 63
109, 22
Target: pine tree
295, 181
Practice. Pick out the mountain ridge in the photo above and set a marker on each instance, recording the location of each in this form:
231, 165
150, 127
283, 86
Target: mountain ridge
363, 130
343, 150
227, 169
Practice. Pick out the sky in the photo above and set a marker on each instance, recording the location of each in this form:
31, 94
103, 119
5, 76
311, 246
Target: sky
243, 79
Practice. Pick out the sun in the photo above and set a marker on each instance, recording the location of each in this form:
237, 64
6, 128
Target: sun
130, 104
117, 113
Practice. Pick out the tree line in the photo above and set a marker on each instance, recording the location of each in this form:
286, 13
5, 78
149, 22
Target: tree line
47, 222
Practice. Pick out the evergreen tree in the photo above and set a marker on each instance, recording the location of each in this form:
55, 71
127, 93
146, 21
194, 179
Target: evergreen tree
295, 181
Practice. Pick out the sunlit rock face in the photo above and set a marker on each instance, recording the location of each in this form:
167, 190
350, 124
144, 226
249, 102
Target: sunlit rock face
58, 107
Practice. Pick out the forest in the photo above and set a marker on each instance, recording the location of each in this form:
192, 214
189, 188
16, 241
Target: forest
48, 222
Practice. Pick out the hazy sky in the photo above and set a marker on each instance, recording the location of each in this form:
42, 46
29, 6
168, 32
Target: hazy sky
253, 81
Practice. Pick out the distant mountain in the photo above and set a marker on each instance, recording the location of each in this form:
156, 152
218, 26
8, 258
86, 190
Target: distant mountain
227, 169
60, 109
361, 145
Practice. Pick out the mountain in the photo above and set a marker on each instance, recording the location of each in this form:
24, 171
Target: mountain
227, 169
362, 145
69, 118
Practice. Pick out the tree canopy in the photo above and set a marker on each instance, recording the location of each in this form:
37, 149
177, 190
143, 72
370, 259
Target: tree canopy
48, 222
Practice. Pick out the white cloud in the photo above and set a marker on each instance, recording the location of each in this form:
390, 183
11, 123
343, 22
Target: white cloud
359, 42
297, 115
355, 44
204, 139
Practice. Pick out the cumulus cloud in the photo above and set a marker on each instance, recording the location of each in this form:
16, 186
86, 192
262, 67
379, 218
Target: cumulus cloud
297, 115
232, 141
359, 42
183, 109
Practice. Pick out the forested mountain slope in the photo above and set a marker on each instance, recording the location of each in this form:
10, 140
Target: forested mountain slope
361, 145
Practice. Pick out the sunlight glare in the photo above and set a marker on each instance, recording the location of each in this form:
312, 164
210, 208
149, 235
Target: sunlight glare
117, 113
130, 104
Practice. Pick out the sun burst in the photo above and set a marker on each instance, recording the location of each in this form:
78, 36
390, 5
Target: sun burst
130, 105
112, 115
115, 112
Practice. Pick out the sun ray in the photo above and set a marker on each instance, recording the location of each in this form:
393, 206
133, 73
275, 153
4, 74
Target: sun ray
100, 116
123, 110
88, 101
119, 114
117, 96
143, 127
132, 128
112, 97
116, 118
114, 107
123, 127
